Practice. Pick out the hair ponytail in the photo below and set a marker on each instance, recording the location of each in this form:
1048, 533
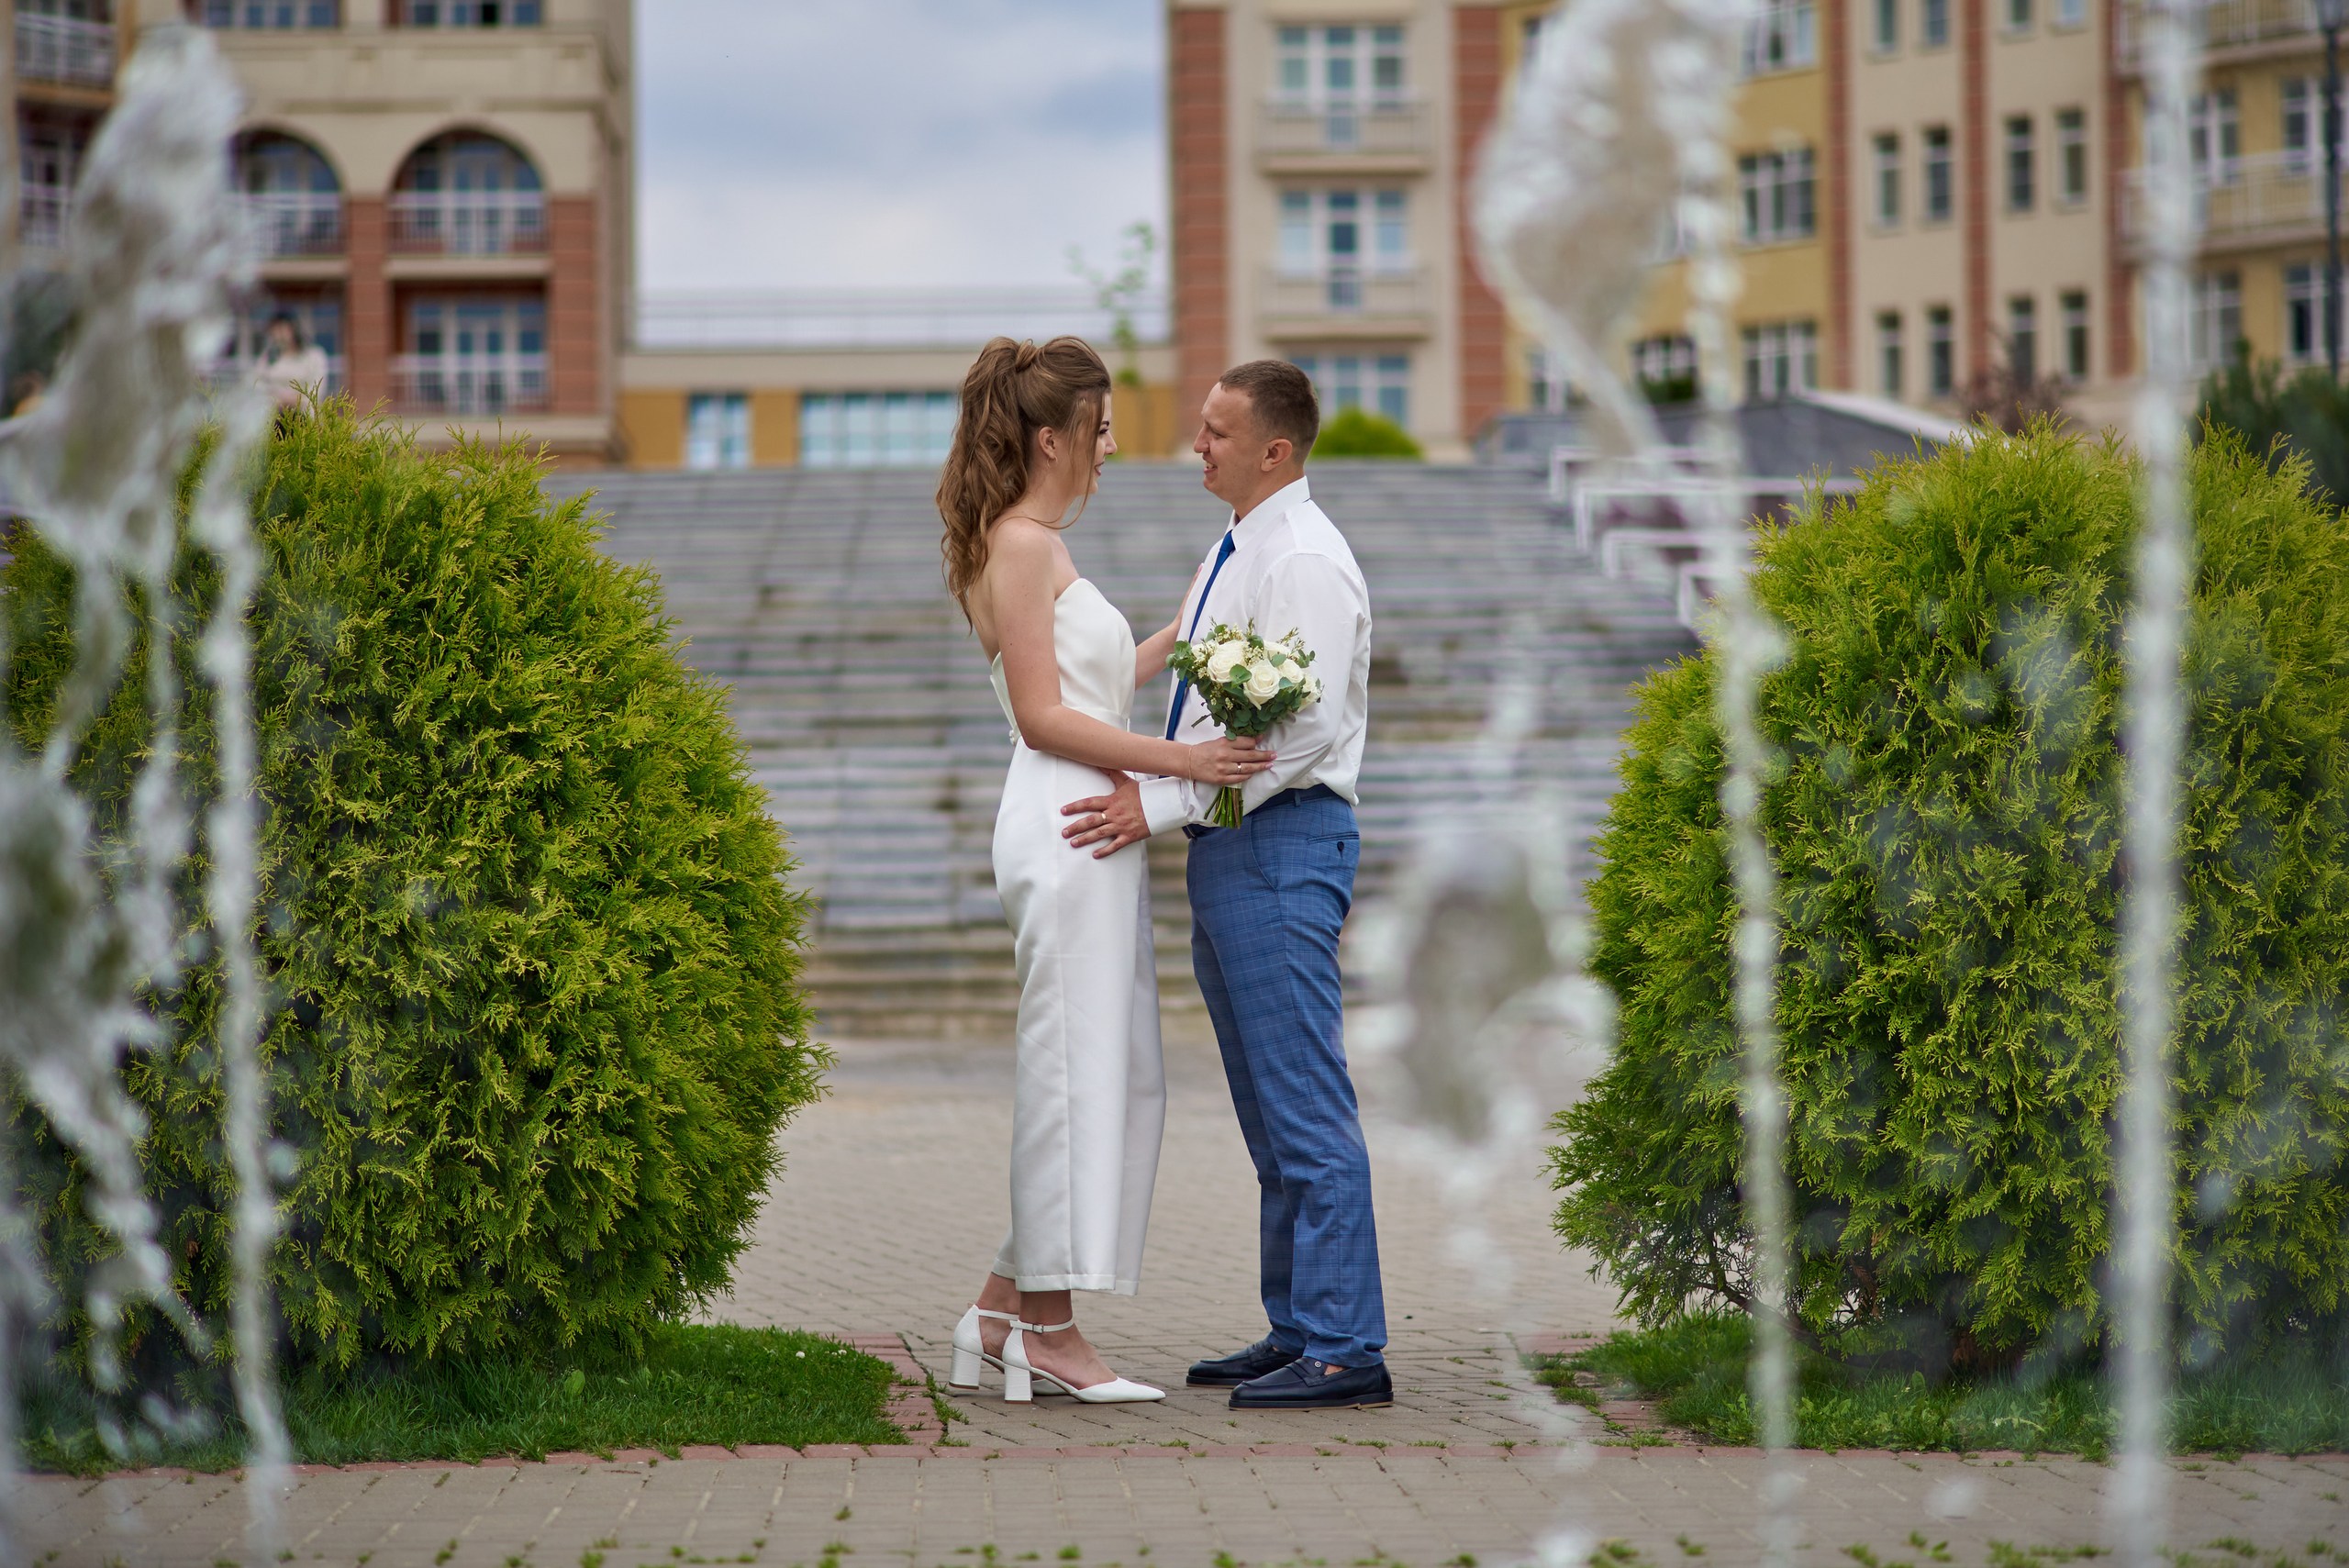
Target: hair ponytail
1013, 391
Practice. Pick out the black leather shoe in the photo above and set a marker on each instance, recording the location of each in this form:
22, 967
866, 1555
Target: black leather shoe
1309, 1384
1231, 1371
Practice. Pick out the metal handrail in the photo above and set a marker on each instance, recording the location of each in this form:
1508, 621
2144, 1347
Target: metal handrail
296, 223
469, 222
1376, 126
64, 49
469, 385
2243, 195
2226, 23
1346, 291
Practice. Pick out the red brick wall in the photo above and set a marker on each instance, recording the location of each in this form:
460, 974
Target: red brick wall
1484, 324
1836, 20
1198, 93
2119, 313
574, 306
1974, 150
367, 304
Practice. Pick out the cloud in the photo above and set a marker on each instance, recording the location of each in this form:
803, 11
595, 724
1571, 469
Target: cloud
855, 143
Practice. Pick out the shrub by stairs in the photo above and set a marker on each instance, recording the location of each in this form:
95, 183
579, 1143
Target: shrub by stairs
865, 704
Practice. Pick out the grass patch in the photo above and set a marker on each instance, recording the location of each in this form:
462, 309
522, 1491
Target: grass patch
1695, 1371
693, 1384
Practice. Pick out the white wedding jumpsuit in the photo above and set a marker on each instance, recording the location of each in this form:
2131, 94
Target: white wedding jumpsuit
1089, 1104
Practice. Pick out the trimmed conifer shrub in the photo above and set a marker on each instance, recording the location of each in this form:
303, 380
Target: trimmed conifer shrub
535, 971
1358, 432
1945, 821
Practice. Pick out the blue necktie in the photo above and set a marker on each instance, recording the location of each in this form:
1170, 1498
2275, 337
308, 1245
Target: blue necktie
1182, 687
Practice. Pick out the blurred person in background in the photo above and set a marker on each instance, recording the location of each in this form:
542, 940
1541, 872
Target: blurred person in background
291, 367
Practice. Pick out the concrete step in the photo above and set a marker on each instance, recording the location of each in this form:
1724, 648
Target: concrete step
862, 700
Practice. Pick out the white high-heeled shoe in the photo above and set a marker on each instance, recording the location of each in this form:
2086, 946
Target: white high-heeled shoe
1018, 1372
971, 1358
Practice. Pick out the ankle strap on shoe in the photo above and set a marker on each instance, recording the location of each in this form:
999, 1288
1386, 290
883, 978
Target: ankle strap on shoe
1043, 1328
998, 1317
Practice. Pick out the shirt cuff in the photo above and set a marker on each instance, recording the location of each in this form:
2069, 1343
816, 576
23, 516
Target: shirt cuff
1166, 803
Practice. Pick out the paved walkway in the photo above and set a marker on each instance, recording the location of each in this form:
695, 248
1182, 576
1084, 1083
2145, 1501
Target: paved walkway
891, 1205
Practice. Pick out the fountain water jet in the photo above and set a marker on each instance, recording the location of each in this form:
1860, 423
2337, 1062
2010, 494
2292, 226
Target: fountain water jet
89, 914
2144, 1182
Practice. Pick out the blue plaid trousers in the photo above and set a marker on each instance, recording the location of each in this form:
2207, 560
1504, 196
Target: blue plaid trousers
1267, 901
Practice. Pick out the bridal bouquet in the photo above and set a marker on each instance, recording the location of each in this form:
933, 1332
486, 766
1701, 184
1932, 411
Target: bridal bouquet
1248, 686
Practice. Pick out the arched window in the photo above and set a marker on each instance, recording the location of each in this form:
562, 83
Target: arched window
468, 194
290, 193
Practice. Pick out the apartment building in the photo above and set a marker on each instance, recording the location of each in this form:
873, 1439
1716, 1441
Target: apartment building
1321, 152
442, 189
2256, 140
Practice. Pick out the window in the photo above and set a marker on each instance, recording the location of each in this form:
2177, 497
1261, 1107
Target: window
2022, 337
1933, 23
1381, 383
272, 14
1775, 190
2017, 15
2217, 311
718, 430
1322, 235
1344, 65
1940, 188
876, 429
2303, 103
290, 194
468, 194
2022, 164
2071, 156
2071, 12
2076, 335
476, 354
1941, 352
1783, 36
2214, 136
468, 13
1780, 358
2303, 313
1886, 35
1885, 158
1889, 366
1665, 368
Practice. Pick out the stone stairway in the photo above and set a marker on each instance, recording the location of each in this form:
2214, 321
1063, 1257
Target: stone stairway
865, 706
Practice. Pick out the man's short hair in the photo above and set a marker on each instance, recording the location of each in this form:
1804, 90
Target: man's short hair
1282, 396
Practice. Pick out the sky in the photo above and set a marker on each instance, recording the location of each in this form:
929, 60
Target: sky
893, 144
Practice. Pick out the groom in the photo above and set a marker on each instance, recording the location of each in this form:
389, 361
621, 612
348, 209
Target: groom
1268, 899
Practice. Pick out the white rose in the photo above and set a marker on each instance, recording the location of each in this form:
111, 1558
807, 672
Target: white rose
1263, 682
1291, 671
1312, 688
1222, 660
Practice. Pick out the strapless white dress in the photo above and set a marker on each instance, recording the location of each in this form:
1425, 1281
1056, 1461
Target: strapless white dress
1089, 1105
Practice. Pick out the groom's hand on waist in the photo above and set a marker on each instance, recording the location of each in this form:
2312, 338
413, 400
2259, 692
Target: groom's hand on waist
1111, 821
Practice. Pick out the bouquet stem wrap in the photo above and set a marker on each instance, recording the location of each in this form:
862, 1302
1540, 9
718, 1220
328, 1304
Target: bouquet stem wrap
1248, 685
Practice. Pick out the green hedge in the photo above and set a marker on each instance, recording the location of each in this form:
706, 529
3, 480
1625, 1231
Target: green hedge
1358, 432
1945, 821
535, 1007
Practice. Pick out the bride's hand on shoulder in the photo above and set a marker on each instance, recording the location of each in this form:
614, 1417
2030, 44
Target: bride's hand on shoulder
1227, 760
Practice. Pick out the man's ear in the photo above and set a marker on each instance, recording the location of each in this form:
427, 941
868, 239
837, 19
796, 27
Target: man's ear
1277, 454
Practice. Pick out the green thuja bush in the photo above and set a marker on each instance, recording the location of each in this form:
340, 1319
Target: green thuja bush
1358, 432
534, 1012
1945, 815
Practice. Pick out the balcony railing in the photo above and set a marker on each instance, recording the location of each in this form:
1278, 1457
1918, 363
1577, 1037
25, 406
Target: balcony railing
64, 49
296, 223
40, 216
1387, 127
469, 222
470, 386
1344, 291
2266, 194
2226, 23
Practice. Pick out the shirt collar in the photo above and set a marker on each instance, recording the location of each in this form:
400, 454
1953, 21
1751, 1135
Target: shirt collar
1270, 510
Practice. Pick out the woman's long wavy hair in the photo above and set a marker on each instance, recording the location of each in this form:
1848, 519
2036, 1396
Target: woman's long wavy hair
1014, 391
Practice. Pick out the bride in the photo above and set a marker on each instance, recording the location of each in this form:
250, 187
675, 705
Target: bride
1090, 1099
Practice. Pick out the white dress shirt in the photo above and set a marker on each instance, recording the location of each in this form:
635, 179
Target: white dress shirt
1289, 570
